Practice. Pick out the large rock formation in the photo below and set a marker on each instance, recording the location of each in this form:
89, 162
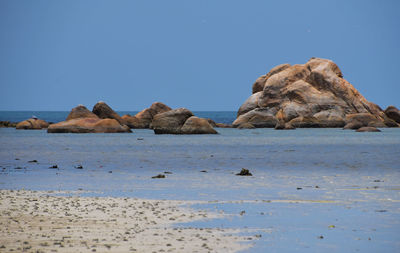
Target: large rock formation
144, 118
32, 123
309, 95
88, 125
103, 111
180, 121
81, 120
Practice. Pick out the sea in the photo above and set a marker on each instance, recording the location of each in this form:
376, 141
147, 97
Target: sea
311, 190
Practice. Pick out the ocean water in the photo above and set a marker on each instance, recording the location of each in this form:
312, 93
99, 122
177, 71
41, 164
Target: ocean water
306, 183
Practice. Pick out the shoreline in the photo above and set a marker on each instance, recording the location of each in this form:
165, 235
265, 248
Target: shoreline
39, 221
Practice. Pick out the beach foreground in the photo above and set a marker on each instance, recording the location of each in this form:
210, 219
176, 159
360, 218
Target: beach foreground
38, 221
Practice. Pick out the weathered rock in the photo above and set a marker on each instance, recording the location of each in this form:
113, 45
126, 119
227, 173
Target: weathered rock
260, 82
170, 122
34, 124
88, 125
257, 117
131, 121
368, 129
144, 118
357, 120
195, 125
8, 124
180, 121
390, 122
393, 113
312, 95
103, 111
81, 112
212, 122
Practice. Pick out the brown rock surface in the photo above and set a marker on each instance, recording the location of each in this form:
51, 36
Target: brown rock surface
33, 123
103, 111
81, 112
368, 129
393, 113
170, 122
180, 121
144, 118
309, 95
88, 125
195, 125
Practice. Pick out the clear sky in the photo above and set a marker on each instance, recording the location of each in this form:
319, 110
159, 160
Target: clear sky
202, 55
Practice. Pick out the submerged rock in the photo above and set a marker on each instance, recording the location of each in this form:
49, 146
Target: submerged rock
308, 95
159, 176
244, 172
368, 129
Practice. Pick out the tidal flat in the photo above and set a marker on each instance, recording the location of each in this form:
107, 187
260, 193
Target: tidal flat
311, 190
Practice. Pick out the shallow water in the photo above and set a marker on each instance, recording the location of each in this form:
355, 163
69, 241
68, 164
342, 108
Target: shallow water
306, 183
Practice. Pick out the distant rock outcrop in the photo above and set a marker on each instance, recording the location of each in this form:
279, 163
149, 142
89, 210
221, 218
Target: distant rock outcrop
33, 123
180, 121
309, 95
144, 118
88, 125
81, 120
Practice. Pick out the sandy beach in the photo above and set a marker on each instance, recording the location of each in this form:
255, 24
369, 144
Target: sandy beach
33, 221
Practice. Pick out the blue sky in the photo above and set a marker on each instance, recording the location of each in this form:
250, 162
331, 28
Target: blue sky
202, 55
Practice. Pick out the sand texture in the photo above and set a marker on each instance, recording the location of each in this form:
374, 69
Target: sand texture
43, 222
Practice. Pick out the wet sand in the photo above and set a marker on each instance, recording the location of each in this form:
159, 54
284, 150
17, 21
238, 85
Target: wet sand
33, 221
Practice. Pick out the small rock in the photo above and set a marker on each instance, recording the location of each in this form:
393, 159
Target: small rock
33, 161
79, 167
368, 129
299, 188
204, 171
242, 213
110, 171
140, 139
167, 172
53, 167
244, 172
18, 168
320, 237
159, 176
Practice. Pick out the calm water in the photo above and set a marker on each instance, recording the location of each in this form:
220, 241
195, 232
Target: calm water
306, 183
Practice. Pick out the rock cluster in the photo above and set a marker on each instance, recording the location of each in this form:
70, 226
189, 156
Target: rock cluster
160, 117
314, 94
144, 118
180, 121
33, 123
102, 119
